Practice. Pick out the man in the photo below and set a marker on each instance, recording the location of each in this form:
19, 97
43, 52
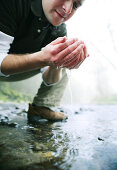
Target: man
33, 40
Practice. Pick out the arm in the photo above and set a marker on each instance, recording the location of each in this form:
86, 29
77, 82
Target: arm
13, 64
16, 63
52, 75
54, 54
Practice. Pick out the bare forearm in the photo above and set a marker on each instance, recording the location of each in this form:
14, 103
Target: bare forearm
52, 75
60, 52
13, 64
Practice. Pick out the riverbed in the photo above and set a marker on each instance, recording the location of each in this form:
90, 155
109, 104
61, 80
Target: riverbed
86, 141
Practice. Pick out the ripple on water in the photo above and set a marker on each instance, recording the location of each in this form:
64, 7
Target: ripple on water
87, 140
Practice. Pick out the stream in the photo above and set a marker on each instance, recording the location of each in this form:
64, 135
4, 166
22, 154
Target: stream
86, 141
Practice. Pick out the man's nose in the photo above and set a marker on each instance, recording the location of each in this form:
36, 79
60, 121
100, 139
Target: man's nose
67, 7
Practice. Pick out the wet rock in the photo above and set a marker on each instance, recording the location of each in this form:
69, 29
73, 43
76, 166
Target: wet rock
17, 107
81, 109
76, 112
20, 112
37, 130
46, 165
39, 147
4, 118
100, 139
13, 124
3, 123
85, 109
61, 110
76, 144
49, 154
45, 156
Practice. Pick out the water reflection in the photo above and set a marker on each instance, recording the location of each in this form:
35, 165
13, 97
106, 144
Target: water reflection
86, 141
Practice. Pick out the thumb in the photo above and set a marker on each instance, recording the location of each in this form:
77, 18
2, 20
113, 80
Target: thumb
59, 40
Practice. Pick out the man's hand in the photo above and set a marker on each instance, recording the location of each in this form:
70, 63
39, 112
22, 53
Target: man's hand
64, 53
78, 59
59, 53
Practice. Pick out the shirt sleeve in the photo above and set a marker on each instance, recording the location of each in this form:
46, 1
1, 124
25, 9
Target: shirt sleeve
42, 70
8, 26
5, 41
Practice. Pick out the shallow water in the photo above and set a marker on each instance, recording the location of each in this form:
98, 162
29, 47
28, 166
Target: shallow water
86, 141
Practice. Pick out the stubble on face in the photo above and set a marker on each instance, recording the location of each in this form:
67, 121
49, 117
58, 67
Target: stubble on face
54, 12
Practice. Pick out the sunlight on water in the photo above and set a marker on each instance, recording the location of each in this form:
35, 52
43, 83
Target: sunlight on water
86, 140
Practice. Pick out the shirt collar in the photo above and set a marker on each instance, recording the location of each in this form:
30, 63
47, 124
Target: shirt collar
36, 7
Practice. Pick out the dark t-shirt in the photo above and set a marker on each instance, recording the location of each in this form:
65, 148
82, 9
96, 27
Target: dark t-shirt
24, 20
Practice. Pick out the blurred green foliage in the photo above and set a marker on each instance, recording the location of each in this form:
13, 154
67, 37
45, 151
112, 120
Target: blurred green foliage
109, 99
8, 93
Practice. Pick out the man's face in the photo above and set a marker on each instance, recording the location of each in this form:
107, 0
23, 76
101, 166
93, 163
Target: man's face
59, 11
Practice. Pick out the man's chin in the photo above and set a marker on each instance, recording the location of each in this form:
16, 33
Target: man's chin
56, 23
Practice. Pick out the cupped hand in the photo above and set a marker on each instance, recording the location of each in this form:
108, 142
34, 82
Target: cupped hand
64, 53
57, 50
78, 59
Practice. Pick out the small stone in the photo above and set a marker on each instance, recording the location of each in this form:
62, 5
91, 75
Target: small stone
13, 124
81, 109
100, 139
61, 110
49, 154
76, 112
39, 147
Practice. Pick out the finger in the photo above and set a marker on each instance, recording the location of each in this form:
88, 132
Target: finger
73, 64
59, 40
74, 58
85, 51
69, 53
82, 54
70, 64
69, 61
76, 65
61, 46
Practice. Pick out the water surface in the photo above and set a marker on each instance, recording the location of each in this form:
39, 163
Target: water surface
86, 141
